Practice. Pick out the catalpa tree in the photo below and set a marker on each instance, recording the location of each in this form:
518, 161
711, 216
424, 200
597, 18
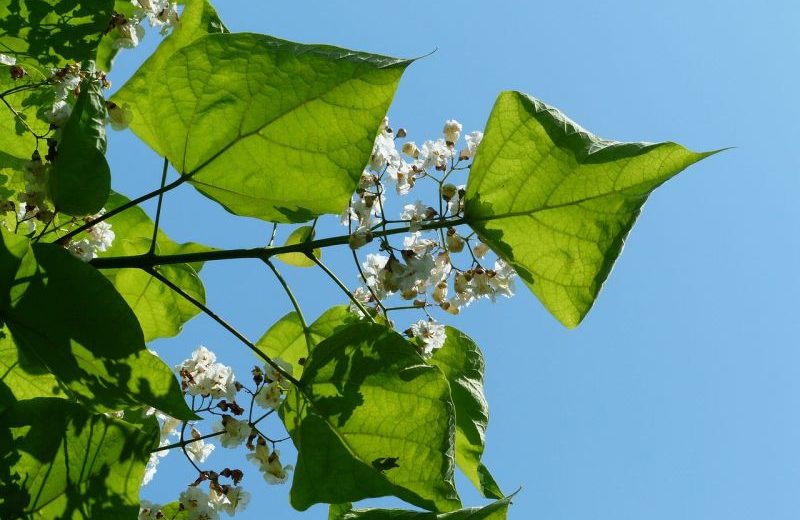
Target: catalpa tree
291, 134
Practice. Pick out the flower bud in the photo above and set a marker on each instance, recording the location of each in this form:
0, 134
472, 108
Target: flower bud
401, 132
452, 131
454, 242
449, 191
410, 149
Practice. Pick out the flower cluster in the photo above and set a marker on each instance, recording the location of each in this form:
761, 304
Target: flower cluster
426, 268
161, 14
272, 384
201, 375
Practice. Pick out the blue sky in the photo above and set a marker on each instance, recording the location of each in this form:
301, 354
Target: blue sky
678, 397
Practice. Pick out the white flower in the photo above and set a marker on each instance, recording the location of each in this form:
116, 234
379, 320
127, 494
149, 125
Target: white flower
130, 34
198, 450
456, 204
169, 428
372, 267
270, 464
197, 505
83, 249
416, 214
434, 154
410, 149
502, 281
236, 431
27, 218
431, 333
151, 467
274, 376
201, 375
384, 152
270, 396
119, 117
7, 60
452, 131
100, 234
417, 244
234, 501
60, 113
473, 139
148, 510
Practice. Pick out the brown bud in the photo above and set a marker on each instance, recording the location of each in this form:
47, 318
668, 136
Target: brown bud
17, 72
401, 132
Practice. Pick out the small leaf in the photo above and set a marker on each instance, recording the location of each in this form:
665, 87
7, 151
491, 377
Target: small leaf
298, 236
371, 419
283, 158
67, 317
495, 511
461, 361
557, 202
63, 462
286, 340
80, 181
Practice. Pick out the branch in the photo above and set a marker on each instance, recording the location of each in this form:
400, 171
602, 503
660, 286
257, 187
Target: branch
263, 253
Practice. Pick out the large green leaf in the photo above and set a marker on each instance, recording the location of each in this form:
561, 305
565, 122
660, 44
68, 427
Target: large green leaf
461, 361
266, 127
287, 340
67, 317
80, 181
494, 511
161, 311
371, 419
557, 202
53, 32
198, 19
59, 461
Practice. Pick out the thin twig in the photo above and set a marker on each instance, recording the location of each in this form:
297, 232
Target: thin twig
158, 207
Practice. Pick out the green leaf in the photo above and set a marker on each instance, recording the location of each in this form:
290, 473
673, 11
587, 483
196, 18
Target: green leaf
53, 32
461, 361
252, 118
286, 340
557, 202
67, 317
298, 236
161, 311
371, 419
80, 181
495, 511
59, 461
197, 19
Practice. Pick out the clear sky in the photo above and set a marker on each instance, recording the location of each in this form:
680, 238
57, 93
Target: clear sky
679, 395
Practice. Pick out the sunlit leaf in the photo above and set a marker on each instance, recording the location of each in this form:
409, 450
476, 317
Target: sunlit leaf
461, 361
371, 419
59, 461
557, 202
266, 127
298, 236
